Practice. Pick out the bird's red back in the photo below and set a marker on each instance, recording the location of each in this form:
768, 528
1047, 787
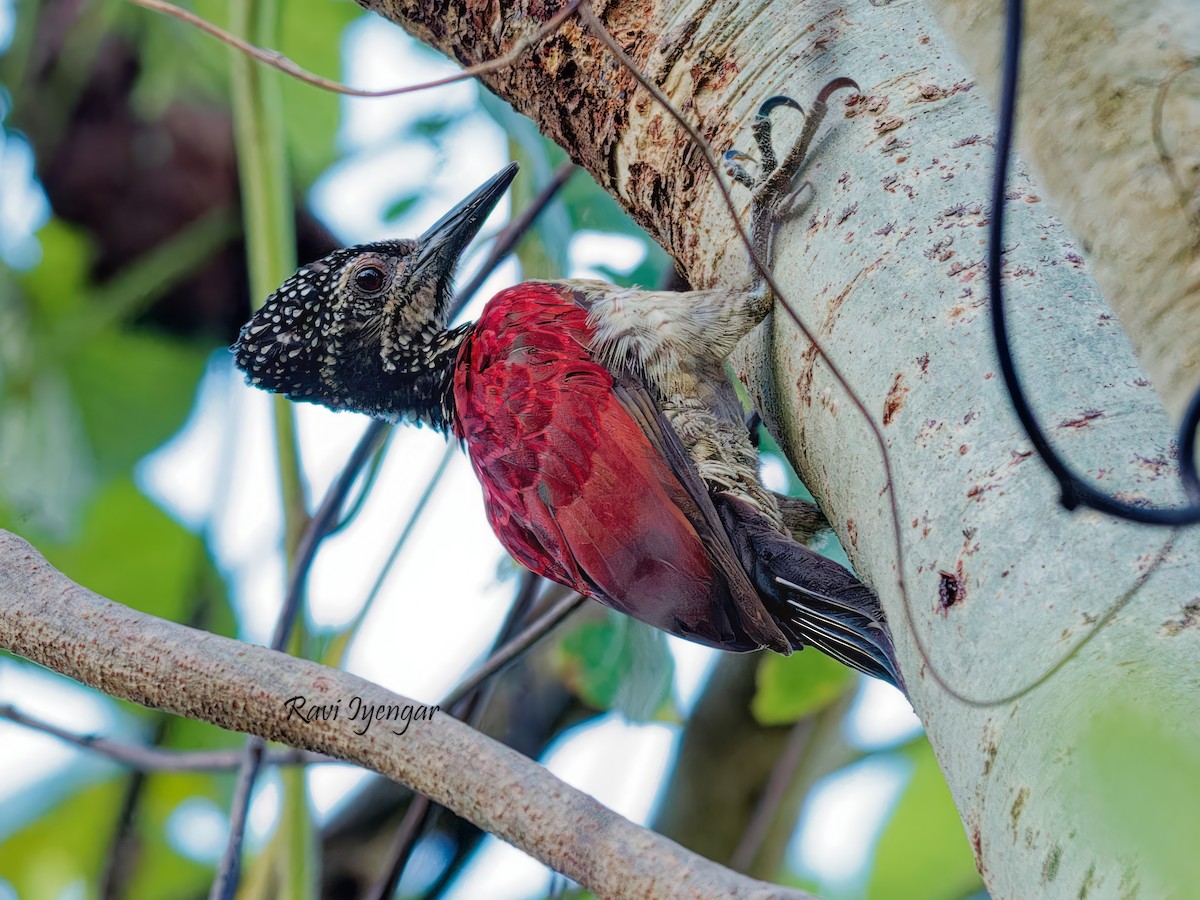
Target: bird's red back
573, 487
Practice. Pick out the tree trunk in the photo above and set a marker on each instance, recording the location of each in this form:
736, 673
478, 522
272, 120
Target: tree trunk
1088, 125
886, 266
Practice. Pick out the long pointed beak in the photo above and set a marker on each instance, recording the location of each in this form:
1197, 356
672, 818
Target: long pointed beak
440, 247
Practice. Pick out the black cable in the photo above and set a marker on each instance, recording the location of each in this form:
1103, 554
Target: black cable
1075, 491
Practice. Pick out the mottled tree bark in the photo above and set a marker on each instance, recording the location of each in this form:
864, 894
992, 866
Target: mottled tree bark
1094, 75
886, 266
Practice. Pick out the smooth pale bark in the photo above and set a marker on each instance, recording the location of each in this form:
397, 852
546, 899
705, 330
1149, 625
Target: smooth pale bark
1091, 73
886, 265
47, 618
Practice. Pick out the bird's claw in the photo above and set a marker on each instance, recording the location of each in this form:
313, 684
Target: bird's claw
772, 103
772, 190
734, 168
761, 129
772, 195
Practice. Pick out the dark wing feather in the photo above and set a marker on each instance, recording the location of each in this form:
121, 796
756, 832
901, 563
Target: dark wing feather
816, 600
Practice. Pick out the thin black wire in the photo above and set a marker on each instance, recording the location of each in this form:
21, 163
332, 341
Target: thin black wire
1075, 492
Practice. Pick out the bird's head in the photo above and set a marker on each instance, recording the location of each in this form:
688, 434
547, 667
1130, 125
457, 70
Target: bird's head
360, 328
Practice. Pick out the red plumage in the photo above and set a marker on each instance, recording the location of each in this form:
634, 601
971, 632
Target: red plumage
573, 487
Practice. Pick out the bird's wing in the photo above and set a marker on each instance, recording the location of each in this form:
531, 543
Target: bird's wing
811, 599
698, 506
578, 490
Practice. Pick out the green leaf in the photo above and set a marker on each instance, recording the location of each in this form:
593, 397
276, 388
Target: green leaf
55, 287
399, 208
433, 127
619, 664
176, 61
47, 459
133, 390
1137, 786
792, 687
134, 553
923, 851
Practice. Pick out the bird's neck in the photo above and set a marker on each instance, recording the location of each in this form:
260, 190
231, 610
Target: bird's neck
423, 386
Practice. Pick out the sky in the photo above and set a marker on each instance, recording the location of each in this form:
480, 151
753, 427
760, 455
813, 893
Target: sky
420, 637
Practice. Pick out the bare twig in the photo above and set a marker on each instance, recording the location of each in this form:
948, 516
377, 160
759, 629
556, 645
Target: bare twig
48, 619
156, 759
772, 797
412, 826
277, 60
224, 885
502, 657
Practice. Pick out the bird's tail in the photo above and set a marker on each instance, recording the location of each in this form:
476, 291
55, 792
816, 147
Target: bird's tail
815, 601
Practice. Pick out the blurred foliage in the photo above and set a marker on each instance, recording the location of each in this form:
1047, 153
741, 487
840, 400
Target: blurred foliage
923, 850
793, 687
622, 665
1137, 787
180, 61
83, 399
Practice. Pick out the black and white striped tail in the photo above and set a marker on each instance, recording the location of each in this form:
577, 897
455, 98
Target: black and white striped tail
815, 601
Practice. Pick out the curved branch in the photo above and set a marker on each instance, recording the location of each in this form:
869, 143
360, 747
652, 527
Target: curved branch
47, 618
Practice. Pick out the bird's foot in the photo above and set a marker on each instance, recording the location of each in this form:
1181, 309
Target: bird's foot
773, 196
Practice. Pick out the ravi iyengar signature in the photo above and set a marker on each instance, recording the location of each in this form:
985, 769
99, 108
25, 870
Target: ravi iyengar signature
359, 710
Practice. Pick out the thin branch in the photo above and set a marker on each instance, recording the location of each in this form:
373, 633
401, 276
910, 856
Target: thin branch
773, 794
414, 517
412, 826
48, 619
502, 657
277, 60
155, 759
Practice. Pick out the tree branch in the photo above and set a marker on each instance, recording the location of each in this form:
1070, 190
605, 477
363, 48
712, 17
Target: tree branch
49, 619
156, 759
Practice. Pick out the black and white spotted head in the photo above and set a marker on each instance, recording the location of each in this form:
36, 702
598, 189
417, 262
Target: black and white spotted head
360, 328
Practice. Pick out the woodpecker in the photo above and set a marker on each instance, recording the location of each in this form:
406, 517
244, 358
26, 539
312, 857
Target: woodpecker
609, 442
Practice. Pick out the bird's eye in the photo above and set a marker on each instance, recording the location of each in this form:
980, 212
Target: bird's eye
369, 279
